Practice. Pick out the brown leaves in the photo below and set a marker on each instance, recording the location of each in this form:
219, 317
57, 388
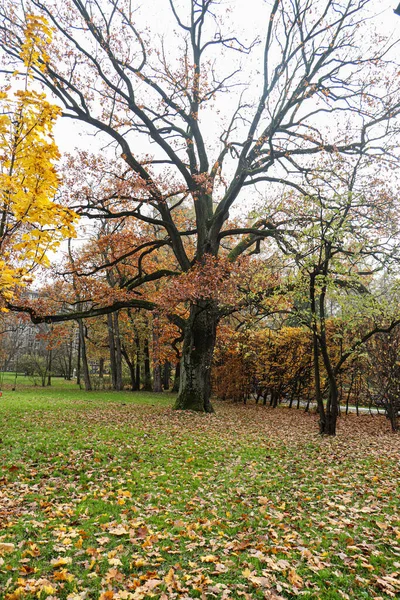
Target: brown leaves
295, 579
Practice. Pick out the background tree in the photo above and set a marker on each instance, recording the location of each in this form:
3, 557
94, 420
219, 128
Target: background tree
347, 231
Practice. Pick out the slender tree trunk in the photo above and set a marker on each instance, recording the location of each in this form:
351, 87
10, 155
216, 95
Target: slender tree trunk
69, 368
131, 367
331, 412
137, 370
349, 393
78, 362
101, 372
147, 372
197, 353
85, 365
111, 346
50, 366
157, 380
118, 354
332, 407
166, 375
317, 375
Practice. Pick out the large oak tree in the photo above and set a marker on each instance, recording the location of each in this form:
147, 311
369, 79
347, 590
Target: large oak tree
199, 114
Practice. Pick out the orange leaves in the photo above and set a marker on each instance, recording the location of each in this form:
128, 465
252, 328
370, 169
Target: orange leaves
214, 278
260, 360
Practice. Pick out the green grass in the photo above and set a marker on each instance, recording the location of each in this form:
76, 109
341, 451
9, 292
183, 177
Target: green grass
140, 501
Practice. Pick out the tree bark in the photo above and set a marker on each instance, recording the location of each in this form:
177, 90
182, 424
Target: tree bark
131, 367
157, 378
147, 373
175, 387
197, 353
332, 406
101, 372
317, 375
49, 366
166, 375
138, 361
85, 366
111, 346
157, 381
70, 351
118, 354
78, 361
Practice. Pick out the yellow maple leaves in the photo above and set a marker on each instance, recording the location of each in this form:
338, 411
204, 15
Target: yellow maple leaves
31, 222
38, 36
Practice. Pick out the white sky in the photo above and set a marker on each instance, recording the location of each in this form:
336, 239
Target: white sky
251, 17
251, 14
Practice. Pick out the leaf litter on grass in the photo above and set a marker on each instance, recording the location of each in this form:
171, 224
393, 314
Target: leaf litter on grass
130, 502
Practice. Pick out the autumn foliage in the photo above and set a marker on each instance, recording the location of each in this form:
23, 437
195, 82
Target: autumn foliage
31, 222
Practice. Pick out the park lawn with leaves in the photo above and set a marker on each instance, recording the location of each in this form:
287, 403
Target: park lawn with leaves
116, 496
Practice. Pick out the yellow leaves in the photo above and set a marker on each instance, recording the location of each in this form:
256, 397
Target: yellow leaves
114, 562
5, 548
140, 562
31, 223
61, 561
210, 558
63, 575
48, 589
38, 35
172, 581
257, 581
32, 550
170, 577
41, 588
295, 579
109, 595
119, 530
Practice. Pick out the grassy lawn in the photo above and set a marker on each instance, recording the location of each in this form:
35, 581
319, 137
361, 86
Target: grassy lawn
116, 496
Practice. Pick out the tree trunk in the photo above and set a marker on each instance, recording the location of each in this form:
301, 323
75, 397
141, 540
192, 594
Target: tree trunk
157, 379
316, 346
317, 386
118, 354
49, 366
111, 346
175, 387
131, 367
147, 373
69, 367
85, 366
332, 406
197, 353
166, 375
101, 372
137, 370
78, 362
331, 412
